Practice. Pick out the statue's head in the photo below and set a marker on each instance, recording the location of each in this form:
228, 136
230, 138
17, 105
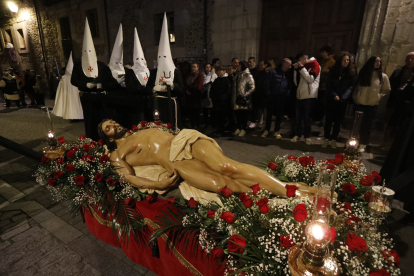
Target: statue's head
110, 131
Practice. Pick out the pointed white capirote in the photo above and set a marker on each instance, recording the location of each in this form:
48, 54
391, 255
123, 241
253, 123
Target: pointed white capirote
89, 59
69, 66
165, 69
116, 62
140, 64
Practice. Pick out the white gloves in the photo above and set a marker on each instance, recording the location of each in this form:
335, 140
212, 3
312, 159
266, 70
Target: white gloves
90, 85
160, 88
170, 83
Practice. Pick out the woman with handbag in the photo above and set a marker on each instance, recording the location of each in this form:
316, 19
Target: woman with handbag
339, 83
243, 88
372, 85
206, 102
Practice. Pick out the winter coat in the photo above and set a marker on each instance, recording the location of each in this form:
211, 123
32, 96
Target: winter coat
325, 64
220, 91
244, 86
307, 80
280, 83
10, 86
372, 95
398, 89
340, 83
208, 80
262, 88
194, 93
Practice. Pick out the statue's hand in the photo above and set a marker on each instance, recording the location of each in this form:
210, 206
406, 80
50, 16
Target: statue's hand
305, 190
169, 181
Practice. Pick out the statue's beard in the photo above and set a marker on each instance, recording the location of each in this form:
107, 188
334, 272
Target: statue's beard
118, 134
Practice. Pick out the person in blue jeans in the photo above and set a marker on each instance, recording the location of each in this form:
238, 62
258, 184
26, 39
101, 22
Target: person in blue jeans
306, 77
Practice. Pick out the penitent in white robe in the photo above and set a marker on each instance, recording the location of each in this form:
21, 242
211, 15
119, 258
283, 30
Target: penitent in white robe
67, 103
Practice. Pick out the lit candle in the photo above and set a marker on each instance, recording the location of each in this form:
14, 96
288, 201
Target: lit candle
156, 115
51, 139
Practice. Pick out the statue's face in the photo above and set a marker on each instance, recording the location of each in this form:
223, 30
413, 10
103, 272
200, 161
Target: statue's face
113, 130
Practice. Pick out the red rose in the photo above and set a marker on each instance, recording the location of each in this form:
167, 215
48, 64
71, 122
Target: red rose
339, 158
291, 190
58, 174
330, 161
211, 214
171, 200
353, 169
192, 203
226, 192
92, 144
291, 157
323, 203
150, 199
100, 142
246, 200
83, 137
45, 160
157, 123
130, 202
99, 177
169, 125
333, 234
53, 182
217, 253
345, 206
228, 217
356, 243
349, 188
69, 168
236, 244
104, 158
255, 188
79, 179
264, 208
272, 166
86, 147
381, 272
286, 241
352, 220
306, 161
143, 123
70, 154
391, 253
134, 128
62, 140
87, 158
367, 181
110, 182
367, 196
376, 177
60, 161
300, 213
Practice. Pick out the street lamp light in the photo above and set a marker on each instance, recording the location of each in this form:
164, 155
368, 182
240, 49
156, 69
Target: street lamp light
13, 7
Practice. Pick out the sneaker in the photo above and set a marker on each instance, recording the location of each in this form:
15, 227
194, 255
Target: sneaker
308, 141
252, 125
278, 136
294, 139
242, 133
325, 143
333, 144
361, 147
237, 132
265, 133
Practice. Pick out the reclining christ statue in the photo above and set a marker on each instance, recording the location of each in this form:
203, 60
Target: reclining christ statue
190, 156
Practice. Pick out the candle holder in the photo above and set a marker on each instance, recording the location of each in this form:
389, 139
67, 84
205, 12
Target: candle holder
54, 149
351, 148
380, 202
156, 116
312, 257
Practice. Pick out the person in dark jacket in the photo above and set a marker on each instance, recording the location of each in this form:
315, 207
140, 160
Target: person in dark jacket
30, 81
220, 93
194, 95
339, 84
279, 85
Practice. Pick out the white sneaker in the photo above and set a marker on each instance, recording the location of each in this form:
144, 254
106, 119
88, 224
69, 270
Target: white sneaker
252, 125
294, 139
237, 132
242, 133
333, 144
325, 143
361, 147
308, 141
278, 136
265, 133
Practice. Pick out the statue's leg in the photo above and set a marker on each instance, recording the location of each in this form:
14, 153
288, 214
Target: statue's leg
247, 175
197, 174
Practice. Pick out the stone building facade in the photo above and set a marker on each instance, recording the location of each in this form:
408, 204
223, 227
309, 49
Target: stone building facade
200, 29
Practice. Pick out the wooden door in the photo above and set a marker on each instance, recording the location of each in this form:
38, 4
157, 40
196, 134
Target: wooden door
292, 26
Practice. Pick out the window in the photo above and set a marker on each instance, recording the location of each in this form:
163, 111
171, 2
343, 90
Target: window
92, 16
158, 18
66, 36
20, 38
8, 36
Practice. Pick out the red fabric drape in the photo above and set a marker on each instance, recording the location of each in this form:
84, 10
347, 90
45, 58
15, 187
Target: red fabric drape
168, 263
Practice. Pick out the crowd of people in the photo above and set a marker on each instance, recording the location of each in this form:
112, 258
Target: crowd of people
247, 95
14, 85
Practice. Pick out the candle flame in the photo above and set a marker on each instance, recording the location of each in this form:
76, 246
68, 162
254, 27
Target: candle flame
50, 135
317, 232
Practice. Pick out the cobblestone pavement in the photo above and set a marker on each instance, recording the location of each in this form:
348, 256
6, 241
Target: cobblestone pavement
38, 236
